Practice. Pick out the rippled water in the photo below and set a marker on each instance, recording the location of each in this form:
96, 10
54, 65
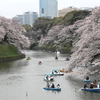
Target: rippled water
23, 79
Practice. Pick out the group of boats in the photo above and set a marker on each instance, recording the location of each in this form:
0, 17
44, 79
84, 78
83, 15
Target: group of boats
39, 63
55, 72
94, 86
50, 78
67, 59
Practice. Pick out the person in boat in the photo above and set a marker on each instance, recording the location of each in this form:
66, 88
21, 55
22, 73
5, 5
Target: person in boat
56, 57
85, 85
56, 71
28, 58
47, 77
67, 59
40, 62
58, 85
48, 85
87, 78
94, 82
52, 86
91, 86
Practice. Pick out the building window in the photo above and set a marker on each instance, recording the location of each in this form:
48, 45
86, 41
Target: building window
42, 10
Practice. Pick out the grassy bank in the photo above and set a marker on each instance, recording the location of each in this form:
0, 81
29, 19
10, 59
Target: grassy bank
9, 52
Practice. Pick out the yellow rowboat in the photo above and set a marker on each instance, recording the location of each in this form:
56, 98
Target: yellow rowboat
65, 71
56, 59
39, 63
28, 58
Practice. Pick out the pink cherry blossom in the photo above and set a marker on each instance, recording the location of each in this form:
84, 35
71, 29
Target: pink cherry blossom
14, 32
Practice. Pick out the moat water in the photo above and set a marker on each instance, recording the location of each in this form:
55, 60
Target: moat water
23, 79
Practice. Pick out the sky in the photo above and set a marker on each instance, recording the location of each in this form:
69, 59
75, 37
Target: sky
11, 8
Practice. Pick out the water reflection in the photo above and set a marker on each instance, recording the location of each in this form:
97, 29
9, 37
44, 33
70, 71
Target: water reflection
12, 67
17, 77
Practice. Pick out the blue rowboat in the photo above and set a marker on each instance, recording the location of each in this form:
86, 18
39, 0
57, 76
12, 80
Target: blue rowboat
91, 90
86, 80
54, 89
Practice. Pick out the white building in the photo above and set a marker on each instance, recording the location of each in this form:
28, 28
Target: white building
19, 18
27, 18
33, 17
48, 8
64, 11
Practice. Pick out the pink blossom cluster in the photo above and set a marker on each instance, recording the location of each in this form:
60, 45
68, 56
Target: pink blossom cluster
88, 44
14, 33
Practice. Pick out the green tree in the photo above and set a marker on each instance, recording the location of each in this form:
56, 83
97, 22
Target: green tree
27, 27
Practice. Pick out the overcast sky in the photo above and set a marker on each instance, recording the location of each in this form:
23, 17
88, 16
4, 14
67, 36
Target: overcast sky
11, 8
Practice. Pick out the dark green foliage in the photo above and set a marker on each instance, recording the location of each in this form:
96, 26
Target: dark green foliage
67, 45
57, 21
27, 27
33, 45
43, 23
71, 17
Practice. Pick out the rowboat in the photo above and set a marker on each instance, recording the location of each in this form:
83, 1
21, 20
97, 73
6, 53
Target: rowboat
67, 59
65, 71
48, 77
91, 90
54, 89
28, 58
39, 63
57, 72
56, 58
86, 80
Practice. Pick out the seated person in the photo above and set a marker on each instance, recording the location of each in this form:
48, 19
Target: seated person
56, 71
52, 86
48, 85
94, 81
91, 86
85, 86
56, 57
40, 62
87, 78
58, 85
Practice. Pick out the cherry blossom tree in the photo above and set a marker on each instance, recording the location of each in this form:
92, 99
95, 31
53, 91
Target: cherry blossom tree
13, 32
87, 48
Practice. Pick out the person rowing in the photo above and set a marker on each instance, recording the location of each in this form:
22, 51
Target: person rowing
40, 62
56, 57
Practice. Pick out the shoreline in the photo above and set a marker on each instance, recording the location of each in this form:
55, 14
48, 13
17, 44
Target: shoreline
11, 58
